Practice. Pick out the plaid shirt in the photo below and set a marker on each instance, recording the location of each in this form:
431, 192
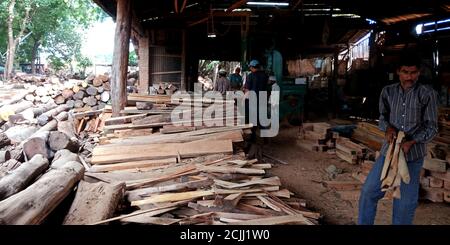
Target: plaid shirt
413, 111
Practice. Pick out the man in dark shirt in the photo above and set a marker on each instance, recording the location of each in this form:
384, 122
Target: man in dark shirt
255, 82
412, 108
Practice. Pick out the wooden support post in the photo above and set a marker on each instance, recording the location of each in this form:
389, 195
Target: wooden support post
144, 64
183, 60
120, 56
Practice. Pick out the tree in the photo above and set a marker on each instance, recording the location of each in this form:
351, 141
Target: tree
14, 39
47, 22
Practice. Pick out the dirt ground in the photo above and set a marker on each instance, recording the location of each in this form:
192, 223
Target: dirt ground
306, 171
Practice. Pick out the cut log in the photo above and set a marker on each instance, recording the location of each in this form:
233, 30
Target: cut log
31, 113
97, 82
30, 97
78, 103
4, 140
59, 100
62, 157
70, 104
91, 91
68, 128
62, 116
37, 144
79, 95
4, 156
19, 133
32, 205
59, 140
100, 90
67, 93
8, 166
144, 105
105, 96
46, 99
49, 115
94, 202
21, 177
91, 101
76, 89
106, 86
8, 110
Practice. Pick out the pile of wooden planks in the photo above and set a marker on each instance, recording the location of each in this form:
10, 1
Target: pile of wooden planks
369, 134
352, 152
317, 137
194, 177
435, 177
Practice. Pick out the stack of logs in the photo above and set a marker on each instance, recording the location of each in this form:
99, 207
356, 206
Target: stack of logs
317, 137
92, 93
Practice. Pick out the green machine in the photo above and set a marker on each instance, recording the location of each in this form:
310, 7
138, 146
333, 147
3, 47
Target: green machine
292, 99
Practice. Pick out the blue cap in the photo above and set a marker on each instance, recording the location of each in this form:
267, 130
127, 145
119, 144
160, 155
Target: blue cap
254, 63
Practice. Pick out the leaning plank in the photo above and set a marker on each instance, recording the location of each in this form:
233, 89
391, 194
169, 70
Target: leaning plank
151, 212
278, 220
107, 154
140, 193
21, 177
32, 205
94, 202
231, 170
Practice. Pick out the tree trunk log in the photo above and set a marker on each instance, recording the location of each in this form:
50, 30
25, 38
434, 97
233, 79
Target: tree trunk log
68, 128
67, 93
8, 166
59, 140
37, 144
4, 156
59, 99
31, 113
21, 177
49, 115
63, 156
94, 202
4, 140
91, 90
32, 205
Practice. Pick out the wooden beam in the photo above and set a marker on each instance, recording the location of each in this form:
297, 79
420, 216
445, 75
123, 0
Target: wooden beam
144, 64
120, 57
236, 5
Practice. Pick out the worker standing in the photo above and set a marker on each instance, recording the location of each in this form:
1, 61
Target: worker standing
222, 84
412, 108
236, 80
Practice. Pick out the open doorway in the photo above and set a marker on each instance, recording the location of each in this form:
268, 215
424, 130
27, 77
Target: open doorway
208, 71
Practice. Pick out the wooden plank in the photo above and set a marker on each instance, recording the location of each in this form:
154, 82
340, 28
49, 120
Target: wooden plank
267, 181
151, 212
123, 119
145, 192
434, 194
436, 183
278, 220
170, 197
132, 165
434, 164
107, 154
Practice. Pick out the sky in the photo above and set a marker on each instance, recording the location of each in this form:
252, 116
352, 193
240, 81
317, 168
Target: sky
99, 42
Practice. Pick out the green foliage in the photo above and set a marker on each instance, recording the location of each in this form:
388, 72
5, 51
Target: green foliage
56, 27
133, 58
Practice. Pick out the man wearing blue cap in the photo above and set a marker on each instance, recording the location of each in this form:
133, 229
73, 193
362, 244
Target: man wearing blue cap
256, 81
